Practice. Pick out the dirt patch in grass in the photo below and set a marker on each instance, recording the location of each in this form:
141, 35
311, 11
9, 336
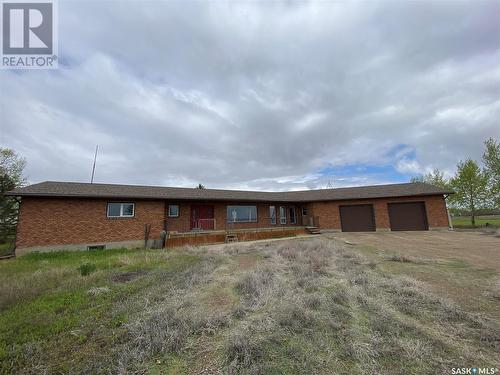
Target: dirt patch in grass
220, 297
247, 261
204, 360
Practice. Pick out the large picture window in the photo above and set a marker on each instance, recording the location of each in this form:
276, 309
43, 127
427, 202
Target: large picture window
121, 209
241, 214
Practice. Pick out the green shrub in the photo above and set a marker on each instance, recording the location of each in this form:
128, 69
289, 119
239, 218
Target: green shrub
86, 268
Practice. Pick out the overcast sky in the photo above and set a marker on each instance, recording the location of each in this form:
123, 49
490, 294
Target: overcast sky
258, 95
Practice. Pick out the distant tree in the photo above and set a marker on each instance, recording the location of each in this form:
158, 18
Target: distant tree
470, 185
11, 177
200, 186
436, 178
491, 161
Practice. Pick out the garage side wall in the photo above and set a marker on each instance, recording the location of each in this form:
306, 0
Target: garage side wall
329, 213
82, 222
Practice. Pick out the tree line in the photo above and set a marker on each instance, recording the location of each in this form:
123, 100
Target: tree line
11, 177
476, 185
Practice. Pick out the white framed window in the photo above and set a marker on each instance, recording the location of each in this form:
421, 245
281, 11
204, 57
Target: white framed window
173, 210
272, 214
304, 211
121, 209
282, 215
291, 215
241, 214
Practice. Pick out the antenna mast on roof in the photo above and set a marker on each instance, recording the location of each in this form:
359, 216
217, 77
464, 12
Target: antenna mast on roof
93, 166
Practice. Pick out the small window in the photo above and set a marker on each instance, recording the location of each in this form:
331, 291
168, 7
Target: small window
121, 209
272, 214
282, 215
241, 214
291, 211
173, 210
96, 247
304, 211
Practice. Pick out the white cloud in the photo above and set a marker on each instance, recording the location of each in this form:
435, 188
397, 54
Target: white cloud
257, 95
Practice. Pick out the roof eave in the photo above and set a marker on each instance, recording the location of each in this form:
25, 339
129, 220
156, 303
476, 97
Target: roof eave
275, 200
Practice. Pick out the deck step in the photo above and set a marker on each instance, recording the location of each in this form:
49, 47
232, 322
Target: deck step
313, 230
231, 238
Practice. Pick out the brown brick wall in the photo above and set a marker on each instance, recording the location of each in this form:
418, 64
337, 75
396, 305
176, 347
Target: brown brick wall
329, 214
183, 222
54, 221
57, 221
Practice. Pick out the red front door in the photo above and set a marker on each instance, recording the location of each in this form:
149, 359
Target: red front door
202, 217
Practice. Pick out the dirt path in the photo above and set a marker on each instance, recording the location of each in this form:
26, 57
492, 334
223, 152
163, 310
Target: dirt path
478, 249
247, 244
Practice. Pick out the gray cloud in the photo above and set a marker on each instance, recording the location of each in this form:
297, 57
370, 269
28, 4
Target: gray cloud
258, 95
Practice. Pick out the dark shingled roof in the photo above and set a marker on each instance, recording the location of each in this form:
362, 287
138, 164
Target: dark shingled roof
86, 190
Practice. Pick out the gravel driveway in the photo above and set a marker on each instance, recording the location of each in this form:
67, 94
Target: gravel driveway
479, 249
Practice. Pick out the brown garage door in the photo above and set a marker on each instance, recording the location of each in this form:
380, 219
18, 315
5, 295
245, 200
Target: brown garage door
408, 216
358, 218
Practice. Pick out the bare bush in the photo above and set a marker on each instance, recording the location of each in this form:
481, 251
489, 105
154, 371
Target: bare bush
365, 352
167, 329
414, 349
239, 312
301, 270
242, 350
289, 251
307, 259
340, 296
406, 259
254, 284
359, 279
313, 301
232, 249
400, 258
294, 316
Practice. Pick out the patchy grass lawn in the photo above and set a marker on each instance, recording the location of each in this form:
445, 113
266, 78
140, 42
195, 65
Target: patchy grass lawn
289, 307
481, 221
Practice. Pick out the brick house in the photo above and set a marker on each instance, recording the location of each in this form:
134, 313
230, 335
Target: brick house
67, 215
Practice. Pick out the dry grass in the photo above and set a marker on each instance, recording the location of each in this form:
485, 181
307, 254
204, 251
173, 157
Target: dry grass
493, 291
298, 306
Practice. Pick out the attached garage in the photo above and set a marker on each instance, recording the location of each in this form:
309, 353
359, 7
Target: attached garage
408, 216
357, 218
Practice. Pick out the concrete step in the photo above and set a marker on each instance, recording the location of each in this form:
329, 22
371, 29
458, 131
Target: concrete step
313, 230
231, 238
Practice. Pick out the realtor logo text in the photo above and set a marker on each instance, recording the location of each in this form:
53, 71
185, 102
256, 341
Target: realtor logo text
29, 34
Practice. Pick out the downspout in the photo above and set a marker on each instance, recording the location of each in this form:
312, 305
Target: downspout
164, 232
450, 223
18, 200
